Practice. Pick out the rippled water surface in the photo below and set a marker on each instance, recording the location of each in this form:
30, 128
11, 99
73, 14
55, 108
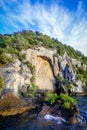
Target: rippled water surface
27, 123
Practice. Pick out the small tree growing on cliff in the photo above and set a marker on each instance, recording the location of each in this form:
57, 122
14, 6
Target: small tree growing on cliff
1, 82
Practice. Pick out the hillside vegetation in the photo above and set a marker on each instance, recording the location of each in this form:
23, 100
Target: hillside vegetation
28, 39
14, 43
11, 47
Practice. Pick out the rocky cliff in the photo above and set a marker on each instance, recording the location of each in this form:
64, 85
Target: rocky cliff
47, 66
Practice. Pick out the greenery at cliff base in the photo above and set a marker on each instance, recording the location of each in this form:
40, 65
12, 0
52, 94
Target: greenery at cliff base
67, 102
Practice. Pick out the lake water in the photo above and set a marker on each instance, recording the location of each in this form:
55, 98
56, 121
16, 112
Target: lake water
29, 123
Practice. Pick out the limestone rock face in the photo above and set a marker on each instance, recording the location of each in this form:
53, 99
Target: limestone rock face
16, 75
79, 88
76, 62
31, 54
56, 67
44, 78
42, 59
15, 81
47, 65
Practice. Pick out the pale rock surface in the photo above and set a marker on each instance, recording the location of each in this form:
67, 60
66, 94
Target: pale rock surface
16, 76
79, 87
31, 54
84, 67
16, 64
56, 67
42, 59
44, 78
76, 62
14, 81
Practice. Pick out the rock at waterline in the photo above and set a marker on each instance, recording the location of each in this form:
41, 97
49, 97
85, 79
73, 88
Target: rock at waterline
75, 119
59, 120
13, 105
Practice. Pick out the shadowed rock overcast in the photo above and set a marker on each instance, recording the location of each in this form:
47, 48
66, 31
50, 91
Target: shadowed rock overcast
62, 19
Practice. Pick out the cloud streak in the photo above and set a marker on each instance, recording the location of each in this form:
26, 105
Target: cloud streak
55, 21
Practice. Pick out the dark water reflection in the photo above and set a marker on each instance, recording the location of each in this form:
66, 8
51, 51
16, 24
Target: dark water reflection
26, 122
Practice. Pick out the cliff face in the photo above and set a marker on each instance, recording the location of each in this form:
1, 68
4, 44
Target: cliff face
42, 60
18, 75
44, 78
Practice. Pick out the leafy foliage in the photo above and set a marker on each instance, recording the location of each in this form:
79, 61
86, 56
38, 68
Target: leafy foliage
31, 91
67, 101
29, 39
4, 58
2, 83
63, 85
51, 97
81, 75
31, 67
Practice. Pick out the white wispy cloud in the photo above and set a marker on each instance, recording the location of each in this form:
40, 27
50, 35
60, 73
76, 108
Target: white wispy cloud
56, 21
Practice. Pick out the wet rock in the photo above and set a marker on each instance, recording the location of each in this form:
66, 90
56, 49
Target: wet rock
75, 119
44, 111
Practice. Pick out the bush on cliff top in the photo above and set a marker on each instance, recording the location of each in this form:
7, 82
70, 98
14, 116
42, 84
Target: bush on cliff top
4, 58
29, 39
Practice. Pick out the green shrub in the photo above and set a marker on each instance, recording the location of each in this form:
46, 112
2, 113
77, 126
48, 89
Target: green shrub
81, 75
67, 101
66, 105
7, 40
59, 81
31, 91
2, 83
51, 97
32, 79
4, 59
31, 67
21, 56
69, 86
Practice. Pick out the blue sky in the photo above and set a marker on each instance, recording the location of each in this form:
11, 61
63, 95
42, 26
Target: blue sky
65, 20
